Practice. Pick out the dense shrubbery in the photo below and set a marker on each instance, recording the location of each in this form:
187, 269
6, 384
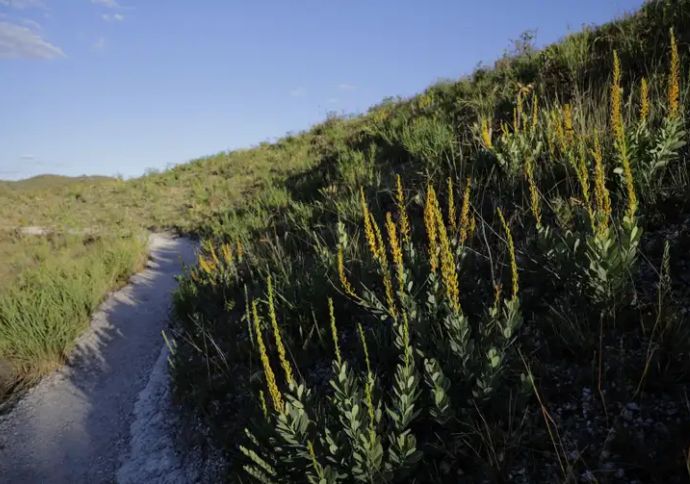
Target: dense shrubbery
507, 309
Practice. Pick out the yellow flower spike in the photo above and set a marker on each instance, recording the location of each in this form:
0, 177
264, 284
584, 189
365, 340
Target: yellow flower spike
535, 111
347, 287
206, 265
214, 257
369, 386
486, 134
601, 193
674, 79
282, 355
239, 250
583, 178
402, 211
644, 101
383, 262
511, 250
516, 121
262, 400
396, 251
449, 272
619, 135
569, 132
617, 102
534, 200
465, 222
498, 290
452, 221
430, 224
368, 229
273, 391
226, 252
334, 331
380, 246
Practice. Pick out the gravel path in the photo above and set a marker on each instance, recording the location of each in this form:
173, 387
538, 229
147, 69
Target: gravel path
106, 415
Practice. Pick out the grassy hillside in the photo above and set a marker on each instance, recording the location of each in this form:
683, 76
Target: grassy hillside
486, 282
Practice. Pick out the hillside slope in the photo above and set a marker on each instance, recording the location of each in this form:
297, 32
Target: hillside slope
513, 307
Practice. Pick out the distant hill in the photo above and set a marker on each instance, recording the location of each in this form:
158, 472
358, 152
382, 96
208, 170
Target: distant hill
49, 181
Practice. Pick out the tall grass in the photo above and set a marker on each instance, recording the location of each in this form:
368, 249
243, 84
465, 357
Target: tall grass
49, 305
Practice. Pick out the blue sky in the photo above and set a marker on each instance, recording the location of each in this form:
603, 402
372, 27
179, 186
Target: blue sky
120, 86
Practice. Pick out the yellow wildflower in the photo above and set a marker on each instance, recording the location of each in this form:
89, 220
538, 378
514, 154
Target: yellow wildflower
430, 224
347, 287
451, 207
644, 100
383, 262
617, 102
619, 135
535, 111
486, 134
334, 331
226, 251
273, 391
282, 356
674, 79
240, 250
396, 250
402, 211
511, 250
449, 272
534, 201
368, 229
601, 193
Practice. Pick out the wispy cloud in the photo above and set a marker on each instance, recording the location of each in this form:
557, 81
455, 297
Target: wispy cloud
22, 4
20, 42
333, 100
344, 86
27, 157
113, 17
106, 3
298, 92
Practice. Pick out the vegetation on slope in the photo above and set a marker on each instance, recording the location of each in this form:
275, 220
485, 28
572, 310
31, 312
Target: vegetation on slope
512, 308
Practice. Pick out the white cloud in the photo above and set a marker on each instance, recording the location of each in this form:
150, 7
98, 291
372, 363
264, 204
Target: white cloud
113, 17
19, 42
298, 92
22, 4
106, 3
344, 86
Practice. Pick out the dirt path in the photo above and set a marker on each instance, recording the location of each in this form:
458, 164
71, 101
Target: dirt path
92, 420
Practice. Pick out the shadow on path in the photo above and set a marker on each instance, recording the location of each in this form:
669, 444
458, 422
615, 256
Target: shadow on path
74, 425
